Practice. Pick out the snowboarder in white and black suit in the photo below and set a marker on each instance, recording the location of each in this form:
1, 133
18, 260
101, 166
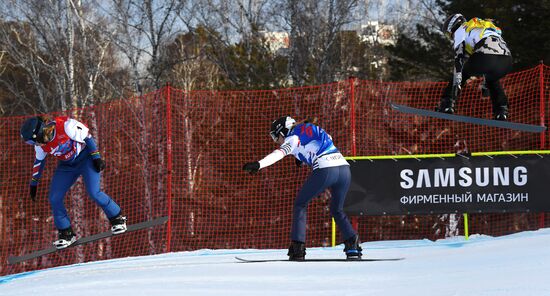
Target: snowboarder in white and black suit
479, 50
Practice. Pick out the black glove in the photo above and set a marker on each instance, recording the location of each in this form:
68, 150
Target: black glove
33, 192
298, 162
99, 164
455, 93
457, 78
457, 85
252, 167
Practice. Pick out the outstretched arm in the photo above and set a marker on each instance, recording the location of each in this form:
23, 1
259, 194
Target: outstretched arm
271, 158
255, 166
278, 154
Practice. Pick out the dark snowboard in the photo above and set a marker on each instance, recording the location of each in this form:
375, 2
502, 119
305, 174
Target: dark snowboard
87, 239
243, 260
474, 120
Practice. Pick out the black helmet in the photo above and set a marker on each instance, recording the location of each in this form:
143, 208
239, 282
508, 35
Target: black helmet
452, 23
281, 126
32, 130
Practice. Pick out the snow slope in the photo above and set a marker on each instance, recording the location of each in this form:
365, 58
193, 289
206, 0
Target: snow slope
517, 264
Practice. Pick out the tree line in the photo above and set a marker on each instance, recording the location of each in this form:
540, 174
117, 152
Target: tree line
58, 55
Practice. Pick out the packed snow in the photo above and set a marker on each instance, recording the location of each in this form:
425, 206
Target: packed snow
517, 264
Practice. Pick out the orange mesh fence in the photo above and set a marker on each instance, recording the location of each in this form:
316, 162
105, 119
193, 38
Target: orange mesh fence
218, 205
180, 154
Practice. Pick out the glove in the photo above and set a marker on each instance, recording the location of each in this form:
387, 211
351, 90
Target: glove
457, 79
99, 164
457, 87
298, 162
456, 91
33, 192
251, 167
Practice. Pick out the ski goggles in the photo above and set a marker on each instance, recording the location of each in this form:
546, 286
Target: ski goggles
38, 138
35, 142
274, 136
31, 142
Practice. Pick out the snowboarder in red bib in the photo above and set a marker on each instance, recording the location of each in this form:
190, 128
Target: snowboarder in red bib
70, 142
479, 50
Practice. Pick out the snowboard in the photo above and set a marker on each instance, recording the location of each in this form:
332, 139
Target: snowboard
86, 240
474, 120
244, 260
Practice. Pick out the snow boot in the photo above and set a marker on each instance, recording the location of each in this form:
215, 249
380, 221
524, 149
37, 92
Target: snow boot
501, 113
66, 237
297, 251
352, 248
118, 224
446, 105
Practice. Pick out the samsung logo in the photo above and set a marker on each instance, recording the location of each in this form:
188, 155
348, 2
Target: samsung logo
463, 177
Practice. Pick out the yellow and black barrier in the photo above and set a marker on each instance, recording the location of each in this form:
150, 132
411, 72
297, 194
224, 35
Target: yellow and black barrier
483, 182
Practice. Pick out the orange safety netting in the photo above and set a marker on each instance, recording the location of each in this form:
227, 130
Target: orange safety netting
180, 154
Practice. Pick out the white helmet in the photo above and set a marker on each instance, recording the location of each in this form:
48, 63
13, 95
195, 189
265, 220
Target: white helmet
452, 23
281, 126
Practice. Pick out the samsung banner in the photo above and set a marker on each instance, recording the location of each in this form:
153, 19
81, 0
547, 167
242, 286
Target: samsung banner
477, 184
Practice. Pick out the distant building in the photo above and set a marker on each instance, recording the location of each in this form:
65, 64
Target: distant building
278, 42
371, 32
374, 32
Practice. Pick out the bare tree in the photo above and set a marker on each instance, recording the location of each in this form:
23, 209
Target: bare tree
191, 69
29, 41
141, 28
235, 23
314, 27
93, 47
53, 42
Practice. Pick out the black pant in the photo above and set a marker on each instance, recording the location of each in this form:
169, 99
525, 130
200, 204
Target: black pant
338, 180
493, 67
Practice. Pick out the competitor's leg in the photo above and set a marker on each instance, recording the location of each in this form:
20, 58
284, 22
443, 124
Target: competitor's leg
63, 179
313, 186
339, 191
497, 67
449, 99
493, 67
447, 102
499, 100
92, 181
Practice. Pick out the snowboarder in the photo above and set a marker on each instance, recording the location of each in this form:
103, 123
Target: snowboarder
70, 142
312, 146
479, 50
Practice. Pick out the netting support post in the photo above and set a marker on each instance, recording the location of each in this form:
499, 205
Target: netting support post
352, 82
466, 226
167, 90
542, 119
542, 105
333, 236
